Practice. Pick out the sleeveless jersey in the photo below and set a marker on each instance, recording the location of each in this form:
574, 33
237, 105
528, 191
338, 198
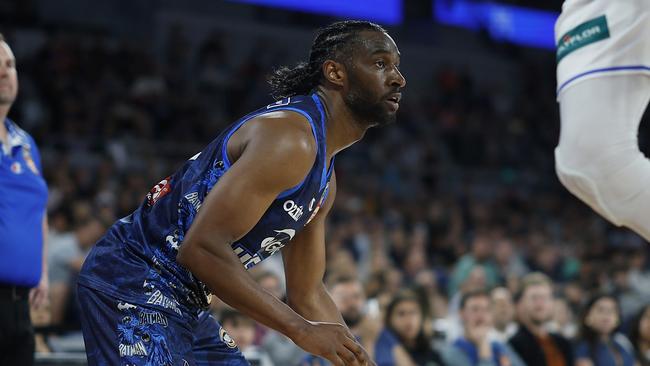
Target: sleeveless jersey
136, 259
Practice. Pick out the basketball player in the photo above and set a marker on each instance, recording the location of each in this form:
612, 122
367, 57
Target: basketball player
265, 183
603, 76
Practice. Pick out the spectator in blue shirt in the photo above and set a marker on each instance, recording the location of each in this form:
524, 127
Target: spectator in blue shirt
640, 335
23, 196
599, 343
475, 347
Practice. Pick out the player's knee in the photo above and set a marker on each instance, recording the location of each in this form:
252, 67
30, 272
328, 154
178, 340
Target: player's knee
576, 178
575, 165
607, 179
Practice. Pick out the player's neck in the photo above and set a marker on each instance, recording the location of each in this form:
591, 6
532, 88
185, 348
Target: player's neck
342, 128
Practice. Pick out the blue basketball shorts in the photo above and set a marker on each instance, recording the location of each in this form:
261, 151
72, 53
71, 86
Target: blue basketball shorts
117, 332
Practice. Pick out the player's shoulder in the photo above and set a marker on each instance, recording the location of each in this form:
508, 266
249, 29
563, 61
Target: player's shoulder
286, 133
287, 124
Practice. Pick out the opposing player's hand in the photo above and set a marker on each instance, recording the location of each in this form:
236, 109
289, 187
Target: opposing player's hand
333, 342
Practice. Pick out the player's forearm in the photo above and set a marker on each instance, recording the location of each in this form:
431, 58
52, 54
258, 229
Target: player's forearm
226, 277
317, 305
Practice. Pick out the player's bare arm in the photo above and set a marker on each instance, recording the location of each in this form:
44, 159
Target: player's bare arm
304, 267
306, 292
270, 154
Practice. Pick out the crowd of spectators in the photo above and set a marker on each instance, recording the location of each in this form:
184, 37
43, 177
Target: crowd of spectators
439, 221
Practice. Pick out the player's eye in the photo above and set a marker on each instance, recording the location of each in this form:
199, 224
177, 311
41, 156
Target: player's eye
380, 64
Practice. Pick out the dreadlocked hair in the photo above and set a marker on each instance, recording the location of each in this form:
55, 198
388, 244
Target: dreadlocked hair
330, 43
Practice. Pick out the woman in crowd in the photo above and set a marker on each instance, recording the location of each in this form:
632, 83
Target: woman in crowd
599, 344
640, 336
405, 319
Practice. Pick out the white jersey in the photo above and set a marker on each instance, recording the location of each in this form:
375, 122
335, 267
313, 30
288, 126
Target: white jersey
602, 37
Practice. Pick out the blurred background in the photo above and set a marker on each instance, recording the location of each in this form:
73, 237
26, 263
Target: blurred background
459, 195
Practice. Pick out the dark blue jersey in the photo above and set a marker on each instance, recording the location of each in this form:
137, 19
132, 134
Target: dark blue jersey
136, 259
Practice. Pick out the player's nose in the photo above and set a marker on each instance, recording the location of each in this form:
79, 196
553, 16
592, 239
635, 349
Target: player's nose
398, 79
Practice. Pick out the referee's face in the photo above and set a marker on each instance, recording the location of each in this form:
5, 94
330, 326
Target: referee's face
8, 75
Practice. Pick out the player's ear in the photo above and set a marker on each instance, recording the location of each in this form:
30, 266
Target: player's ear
334, 72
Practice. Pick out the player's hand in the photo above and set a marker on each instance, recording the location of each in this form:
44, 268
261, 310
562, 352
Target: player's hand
333, 342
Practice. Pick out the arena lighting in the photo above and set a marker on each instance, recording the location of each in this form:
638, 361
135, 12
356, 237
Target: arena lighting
382, 11
522, 26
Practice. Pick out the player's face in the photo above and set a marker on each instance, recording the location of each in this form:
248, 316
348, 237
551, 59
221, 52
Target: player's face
8, 75
374, 80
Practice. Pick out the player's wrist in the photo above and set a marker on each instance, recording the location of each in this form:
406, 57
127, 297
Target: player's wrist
297, 329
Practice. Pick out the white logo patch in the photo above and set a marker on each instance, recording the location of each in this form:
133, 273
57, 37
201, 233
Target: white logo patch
275, 243
157, 298
293, 210
279, 103
225, 338
137, 349
172, 240
311, 204
246, 259
125, 306
193, 199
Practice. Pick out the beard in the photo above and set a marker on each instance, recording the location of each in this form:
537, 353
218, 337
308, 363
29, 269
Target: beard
366, 107
351, 318
540, 320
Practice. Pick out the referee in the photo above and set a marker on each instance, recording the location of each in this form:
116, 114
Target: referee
23, 223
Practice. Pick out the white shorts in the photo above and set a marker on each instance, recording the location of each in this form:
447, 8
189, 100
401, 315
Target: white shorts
602, 37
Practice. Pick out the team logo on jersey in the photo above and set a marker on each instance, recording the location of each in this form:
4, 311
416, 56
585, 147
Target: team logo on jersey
159, 191
273, 244
293, 210
279, 103
226, 338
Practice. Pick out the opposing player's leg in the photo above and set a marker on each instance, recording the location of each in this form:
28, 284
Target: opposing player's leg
213, 346
117, 332
598, 157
